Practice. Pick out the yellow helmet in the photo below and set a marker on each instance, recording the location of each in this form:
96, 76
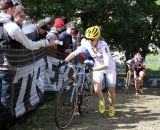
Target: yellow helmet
93, 32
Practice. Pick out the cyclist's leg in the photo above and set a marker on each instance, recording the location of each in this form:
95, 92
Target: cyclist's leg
111, 95
111, 79
97, 78
136, 82
141, 76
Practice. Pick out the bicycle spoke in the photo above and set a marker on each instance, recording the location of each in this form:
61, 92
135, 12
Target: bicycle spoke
84, 97
66, 105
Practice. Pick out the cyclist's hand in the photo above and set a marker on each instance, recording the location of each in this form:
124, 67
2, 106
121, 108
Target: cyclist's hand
89, 63
62, 62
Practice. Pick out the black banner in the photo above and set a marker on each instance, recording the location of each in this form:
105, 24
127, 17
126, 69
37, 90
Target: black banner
24, 76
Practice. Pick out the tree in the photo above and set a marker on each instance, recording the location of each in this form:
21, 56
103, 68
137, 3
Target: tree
126, 24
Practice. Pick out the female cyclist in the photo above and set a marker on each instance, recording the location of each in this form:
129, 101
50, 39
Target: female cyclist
138, 63
103, 63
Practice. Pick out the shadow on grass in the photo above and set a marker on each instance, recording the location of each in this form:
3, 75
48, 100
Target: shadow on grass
130, 111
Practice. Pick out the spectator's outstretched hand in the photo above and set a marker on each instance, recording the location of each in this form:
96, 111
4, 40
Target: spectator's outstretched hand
52, 38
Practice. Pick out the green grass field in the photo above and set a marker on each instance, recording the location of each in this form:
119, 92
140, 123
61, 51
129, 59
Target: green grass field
153, 65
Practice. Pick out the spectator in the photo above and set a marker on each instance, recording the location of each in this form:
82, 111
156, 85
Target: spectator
76, 42
59, 25
14, 31
40, 30
19, 15
66, 37
52, 34
48, 21
65, 20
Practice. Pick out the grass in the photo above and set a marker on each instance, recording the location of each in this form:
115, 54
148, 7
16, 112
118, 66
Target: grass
40, 119
153, 65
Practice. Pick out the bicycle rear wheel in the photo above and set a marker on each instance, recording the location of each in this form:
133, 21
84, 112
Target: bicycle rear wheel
126, 88
84, 97
66, 104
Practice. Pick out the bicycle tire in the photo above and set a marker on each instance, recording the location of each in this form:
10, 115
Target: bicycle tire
126, 89
84, 98
128, 82
65, 108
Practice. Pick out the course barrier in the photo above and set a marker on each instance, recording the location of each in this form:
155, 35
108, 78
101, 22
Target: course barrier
25, 75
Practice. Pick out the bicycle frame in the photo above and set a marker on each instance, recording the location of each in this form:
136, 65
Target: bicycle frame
128, 78
73, 96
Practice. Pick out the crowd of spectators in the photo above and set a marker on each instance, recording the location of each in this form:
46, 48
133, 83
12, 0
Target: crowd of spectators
59, 33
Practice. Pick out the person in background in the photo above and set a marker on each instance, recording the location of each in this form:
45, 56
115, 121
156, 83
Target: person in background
19, 15
59, 25
66, 37
41, 29
12, 32
48, 21
139, 66
65, 21
76, 42
52, 34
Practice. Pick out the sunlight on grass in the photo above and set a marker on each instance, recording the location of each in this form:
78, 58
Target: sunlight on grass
153, 65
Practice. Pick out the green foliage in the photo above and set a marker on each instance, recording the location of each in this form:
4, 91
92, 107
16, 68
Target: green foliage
153, 66
126, 24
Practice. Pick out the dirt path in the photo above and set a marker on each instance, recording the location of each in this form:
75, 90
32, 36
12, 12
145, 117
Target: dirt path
132, 113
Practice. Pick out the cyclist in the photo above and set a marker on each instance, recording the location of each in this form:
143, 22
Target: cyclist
138, 63
103, 63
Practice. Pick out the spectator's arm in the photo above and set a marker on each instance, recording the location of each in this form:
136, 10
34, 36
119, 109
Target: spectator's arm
16, 33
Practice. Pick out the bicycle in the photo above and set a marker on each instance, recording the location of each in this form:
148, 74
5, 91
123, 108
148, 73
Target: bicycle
73, 93
128, 78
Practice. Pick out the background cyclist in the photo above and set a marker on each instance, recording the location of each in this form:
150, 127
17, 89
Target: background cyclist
138, 63
103, 63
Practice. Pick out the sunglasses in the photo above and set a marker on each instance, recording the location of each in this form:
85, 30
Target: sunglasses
22, 16
92, 40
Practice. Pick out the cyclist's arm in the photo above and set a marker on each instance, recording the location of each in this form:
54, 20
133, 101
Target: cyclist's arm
98, 68
74, 53
70, 57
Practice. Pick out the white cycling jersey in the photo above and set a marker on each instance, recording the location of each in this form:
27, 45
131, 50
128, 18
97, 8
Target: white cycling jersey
101, 54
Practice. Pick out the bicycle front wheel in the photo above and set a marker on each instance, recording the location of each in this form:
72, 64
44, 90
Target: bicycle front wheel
84, 97
128, 82
66, 104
